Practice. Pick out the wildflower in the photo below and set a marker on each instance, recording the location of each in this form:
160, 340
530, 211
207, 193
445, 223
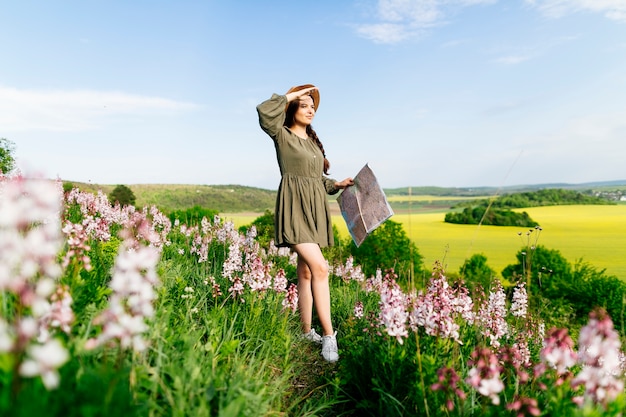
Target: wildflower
234, 262
216, 291
349, 271
393, 313
519, 306
280, 281
484, 375
291, 298
599, 353
59, 315
524, 406
237, 288
44, 360
76, 239
491, 316
558, 352
358, 309
30, 240
133, 282
188, 292
256, 274
438, 308
448, 382
374, 284
7, 336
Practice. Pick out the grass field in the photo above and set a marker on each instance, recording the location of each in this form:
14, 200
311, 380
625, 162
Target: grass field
597, 234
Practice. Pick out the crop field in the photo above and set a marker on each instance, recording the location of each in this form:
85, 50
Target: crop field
597, 234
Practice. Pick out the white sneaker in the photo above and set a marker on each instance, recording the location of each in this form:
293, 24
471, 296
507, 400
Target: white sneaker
329, 348
312, 336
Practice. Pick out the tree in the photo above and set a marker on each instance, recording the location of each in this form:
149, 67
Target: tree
122, 195
388, 247
544, 270
7, 161
476, 273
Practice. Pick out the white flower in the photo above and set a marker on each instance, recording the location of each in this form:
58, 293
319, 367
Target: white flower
44, 360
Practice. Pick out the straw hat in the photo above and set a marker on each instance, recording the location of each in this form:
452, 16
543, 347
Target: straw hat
314, 93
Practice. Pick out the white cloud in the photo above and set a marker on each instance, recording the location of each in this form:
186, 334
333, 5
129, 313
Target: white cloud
399, 20
611, 9
512, 59
385, 32
75, 110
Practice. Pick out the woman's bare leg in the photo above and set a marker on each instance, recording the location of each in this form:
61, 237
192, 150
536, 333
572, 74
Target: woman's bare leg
313, 282
305, 295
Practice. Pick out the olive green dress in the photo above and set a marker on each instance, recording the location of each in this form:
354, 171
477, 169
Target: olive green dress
302, 214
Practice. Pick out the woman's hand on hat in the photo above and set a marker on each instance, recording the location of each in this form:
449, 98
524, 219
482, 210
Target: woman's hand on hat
297, 94
345, 183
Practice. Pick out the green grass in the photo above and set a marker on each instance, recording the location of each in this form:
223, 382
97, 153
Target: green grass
595, 233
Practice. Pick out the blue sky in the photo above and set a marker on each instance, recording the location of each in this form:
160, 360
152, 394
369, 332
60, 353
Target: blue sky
453, 93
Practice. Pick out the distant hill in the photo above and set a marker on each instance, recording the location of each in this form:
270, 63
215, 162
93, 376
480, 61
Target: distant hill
170, 197
238, 198
599, 186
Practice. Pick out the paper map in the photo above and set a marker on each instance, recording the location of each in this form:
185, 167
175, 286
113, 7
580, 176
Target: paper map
364, 205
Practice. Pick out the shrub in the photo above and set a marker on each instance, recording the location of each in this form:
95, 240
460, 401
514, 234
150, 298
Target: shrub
192, 216
264, 228
122, 195
388, 247
476, 273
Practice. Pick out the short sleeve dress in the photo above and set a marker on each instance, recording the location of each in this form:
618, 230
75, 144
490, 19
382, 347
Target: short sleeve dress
302, 214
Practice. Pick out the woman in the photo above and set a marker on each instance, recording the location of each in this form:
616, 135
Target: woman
302, 219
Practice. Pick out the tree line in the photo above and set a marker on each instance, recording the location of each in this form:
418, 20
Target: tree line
498, 212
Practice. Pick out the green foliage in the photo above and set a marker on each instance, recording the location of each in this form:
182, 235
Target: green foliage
67, 186
476, 273
192, 216
7, 161
494, 217
264, 228
547, 197
498, 211
539, 198
388, 247
122, 195
574, 290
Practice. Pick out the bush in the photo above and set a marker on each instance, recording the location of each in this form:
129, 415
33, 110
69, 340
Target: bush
264, 228
122, 195
388, 247
476, 273
579, 289
192, 216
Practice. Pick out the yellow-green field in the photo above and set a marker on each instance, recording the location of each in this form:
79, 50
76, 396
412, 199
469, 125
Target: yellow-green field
595, 233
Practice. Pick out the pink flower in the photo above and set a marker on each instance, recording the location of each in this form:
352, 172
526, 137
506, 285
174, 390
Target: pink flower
558, 351
484, 375
524, 406
438, 310
130, 305
492, 316
448, 382
291, 298
599, 353
350, 272
358, 309
393, 313
280, 281
519, 306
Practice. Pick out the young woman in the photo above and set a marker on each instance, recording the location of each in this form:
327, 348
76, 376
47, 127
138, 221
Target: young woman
302, 219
